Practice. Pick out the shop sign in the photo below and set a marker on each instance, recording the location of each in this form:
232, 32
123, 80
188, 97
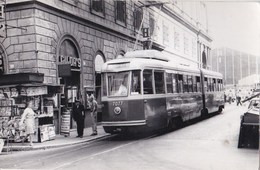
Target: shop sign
33, 91
65, 123
73, 60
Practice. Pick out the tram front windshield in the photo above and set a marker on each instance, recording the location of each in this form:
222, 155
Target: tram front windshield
118, 84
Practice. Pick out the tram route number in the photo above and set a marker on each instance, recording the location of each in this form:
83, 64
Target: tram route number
118, 103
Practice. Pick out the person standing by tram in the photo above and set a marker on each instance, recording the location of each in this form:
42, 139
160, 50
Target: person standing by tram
78, 114
93, 112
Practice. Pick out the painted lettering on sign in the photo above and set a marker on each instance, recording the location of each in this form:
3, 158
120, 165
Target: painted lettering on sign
74, 61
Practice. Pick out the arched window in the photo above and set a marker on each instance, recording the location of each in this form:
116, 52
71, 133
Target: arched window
99, 61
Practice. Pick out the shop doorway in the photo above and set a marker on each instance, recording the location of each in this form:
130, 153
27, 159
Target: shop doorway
69, 65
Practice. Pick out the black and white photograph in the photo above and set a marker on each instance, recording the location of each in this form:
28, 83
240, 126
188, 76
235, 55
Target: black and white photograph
129, 84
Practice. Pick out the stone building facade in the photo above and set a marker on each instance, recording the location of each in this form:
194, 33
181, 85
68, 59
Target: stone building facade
45, 36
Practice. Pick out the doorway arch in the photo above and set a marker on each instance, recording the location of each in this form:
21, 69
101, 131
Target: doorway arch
99, 61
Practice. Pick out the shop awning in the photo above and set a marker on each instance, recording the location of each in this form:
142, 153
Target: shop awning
21, 78
27, 84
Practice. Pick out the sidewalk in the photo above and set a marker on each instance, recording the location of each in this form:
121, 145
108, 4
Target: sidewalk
59, 141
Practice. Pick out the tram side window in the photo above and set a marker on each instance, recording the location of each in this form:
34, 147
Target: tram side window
198, 84
104, 85
159, 82
180, 83
147, 84
217, 84
174, 83
117, 84
205, 84
194, 84
135, 85
214, 85
190, 89
169, 82
221, 85
185, 84
209, 84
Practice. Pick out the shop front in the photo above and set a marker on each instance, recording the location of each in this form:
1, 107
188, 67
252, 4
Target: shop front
18, 89
69, 73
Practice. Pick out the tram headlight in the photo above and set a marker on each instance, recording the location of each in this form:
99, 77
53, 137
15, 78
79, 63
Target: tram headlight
117, 110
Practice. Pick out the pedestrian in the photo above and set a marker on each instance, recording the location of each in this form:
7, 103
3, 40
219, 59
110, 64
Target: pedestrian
225, 97
78, 114
93, 113
239, 100
29, 117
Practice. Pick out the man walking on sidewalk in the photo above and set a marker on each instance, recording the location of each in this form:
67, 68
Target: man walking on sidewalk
79, 116
93, 112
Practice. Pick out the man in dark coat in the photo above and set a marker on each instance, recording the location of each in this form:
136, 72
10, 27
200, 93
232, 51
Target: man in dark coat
79, 116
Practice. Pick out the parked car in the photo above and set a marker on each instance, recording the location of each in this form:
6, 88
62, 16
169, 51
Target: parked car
249, 125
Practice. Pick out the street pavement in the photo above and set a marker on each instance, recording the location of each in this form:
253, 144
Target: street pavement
210, 144
59, 141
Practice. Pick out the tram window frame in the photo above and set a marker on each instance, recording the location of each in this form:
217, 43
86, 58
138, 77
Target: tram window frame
133, 91
180, 83
205, 84
175, 83
104, 84
214, 84
198, 82
185, 84
209, 84
150, 89
169, 82
159, 82
119, 81
194, 84
221, 84
217, 84
190, 83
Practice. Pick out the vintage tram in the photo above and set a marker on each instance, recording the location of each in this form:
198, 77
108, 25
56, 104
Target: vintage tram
147, 91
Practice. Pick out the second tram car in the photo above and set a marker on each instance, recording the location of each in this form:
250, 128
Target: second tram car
146, 91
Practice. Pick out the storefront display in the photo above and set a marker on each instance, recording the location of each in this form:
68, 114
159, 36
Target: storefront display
12, 104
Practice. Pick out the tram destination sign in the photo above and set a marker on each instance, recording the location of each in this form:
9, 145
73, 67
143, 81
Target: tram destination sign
118, 66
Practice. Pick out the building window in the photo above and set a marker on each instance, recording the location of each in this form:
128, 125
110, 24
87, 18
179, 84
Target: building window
120, 11
97, 7
165, 34
151, 24
138, 17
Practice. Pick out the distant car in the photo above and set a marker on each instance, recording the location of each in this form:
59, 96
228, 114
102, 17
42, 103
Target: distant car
249, 125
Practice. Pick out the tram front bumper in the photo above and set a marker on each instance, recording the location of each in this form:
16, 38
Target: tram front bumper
124, 123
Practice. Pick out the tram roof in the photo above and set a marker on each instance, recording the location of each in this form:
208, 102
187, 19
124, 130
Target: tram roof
145, 59
211, 73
